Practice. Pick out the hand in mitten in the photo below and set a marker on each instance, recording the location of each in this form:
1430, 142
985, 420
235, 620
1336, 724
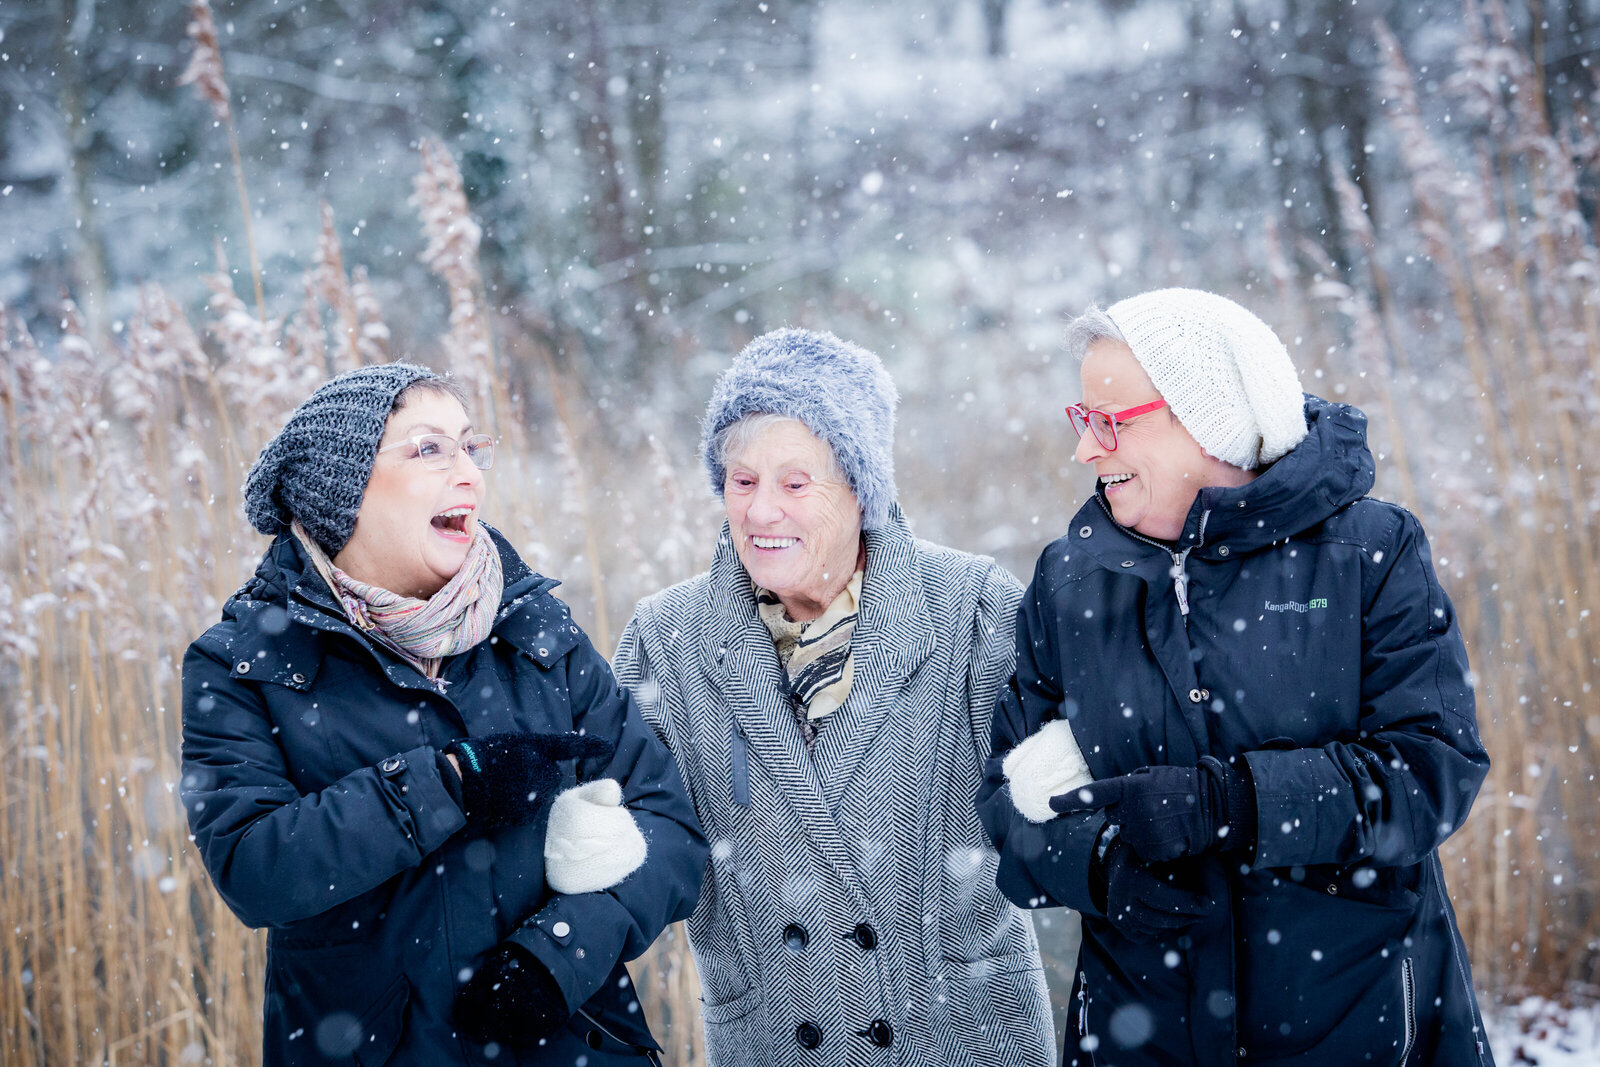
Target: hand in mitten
592, 842
511, 997
1167, 812
506, 779
1045, 764
1143, 902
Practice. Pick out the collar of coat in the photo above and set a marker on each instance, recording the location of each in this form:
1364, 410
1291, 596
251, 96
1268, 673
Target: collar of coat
281, 617
1329, 470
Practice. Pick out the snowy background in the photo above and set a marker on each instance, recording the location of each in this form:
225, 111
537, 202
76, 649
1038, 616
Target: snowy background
616, 195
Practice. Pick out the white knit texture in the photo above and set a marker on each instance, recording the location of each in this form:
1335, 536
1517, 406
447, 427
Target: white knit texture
1047, 763
592, 842
1224, 373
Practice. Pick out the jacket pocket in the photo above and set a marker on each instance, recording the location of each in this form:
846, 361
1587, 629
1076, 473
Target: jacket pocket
315, 1013
737, 1031
1320, 969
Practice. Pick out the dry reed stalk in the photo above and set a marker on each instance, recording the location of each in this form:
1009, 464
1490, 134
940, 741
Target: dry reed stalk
1502, 239
206, 75
328, 281
452, 254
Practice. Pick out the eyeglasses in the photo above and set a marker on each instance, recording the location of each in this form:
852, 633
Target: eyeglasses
1104, 424
438, 451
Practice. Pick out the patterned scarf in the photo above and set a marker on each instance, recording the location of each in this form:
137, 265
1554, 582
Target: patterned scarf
815, 655
422, 632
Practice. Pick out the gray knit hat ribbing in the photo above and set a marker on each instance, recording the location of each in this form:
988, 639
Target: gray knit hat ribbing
839, 390
316, 469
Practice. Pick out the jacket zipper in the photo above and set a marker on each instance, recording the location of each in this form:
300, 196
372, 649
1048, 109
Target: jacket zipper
1408, 987
1180, 577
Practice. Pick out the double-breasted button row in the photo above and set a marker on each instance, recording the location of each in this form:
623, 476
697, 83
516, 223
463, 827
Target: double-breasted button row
796, 937
808, 1035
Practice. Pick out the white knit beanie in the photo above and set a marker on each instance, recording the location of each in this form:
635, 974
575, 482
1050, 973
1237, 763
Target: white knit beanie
1224, 373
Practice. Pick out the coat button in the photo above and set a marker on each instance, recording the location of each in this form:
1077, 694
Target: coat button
1195, 696
298, 679
865, 936
1333, 889
593, 1040
1127, 563
243, 667
561, 929
880, 1033
795, 938
390, 765
1085, 531
1223, 551
807, 1035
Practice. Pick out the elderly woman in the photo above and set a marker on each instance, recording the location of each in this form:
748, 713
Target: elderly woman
403, 758
1255, 664
826, 690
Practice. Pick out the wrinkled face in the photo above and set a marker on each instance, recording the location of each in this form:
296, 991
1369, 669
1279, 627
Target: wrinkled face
416, 524
1157, 470
795, 524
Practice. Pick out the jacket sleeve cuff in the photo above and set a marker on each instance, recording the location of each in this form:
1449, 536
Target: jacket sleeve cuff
579, 939
435, 815
1297, 826
1056, 857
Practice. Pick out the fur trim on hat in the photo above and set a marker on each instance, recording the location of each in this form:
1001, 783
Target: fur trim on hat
316, 469
839, 390
1224, 373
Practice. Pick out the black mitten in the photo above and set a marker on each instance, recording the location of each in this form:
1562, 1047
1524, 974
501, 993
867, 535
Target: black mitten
511, 998
1144, 901
506, 779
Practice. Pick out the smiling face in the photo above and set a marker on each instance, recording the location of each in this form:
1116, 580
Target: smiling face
415, 525
1157, 470
795, 523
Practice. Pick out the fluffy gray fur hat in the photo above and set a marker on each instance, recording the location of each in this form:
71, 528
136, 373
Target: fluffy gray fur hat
316, 469
839, 390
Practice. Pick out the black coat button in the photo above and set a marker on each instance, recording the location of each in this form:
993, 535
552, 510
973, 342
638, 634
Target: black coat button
865, 936
795, 937
808, 1035
880, 1033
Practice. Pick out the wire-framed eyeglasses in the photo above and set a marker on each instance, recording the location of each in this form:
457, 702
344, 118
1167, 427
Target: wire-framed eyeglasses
1103, 424
437, 451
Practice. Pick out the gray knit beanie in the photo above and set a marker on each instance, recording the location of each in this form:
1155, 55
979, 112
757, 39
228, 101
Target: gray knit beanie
316, 469
839, 390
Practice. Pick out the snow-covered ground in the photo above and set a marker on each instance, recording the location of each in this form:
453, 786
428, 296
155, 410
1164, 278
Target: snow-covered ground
1542, 1032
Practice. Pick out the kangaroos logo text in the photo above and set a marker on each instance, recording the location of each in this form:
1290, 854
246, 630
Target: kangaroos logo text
1295, 605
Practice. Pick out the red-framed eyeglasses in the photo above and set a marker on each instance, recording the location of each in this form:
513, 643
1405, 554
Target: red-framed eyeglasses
1104, 424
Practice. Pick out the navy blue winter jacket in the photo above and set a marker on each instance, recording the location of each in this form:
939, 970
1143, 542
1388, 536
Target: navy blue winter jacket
1316, 646
319, 808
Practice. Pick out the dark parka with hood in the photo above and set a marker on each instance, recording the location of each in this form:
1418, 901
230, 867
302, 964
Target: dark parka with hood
317, 802
1296, 626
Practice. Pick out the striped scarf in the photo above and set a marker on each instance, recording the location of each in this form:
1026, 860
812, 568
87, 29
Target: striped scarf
815, 655
421, 632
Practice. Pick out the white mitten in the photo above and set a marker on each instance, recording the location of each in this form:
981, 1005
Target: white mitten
592, 842
1044, 764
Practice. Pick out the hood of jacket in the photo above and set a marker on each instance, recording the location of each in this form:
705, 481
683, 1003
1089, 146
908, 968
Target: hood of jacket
1329, 470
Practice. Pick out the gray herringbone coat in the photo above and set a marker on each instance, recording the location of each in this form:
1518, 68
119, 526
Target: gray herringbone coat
854, 885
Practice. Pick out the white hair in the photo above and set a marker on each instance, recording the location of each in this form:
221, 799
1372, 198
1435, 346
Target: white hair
1093, 325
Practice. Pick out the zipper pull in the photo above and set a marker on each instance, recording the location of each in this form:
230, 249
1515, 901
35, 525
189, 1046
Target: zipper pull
1180, 585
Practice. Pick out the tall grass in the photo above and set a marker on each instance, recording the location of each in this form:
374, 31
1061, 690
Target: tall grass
1506, 478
